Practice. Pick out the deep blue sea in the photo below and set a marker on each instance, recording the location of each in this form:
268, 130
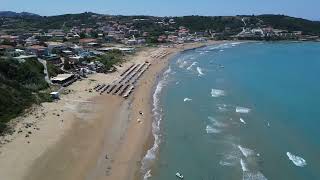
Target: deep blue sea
238, 111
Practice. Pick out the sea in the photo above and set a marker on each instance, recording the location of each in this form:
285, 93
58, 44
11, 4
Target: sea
238, 110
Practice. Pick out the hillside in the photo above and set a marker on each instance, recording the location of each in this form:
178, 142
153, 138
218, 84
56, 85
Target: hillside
291, 23
15, 14
194, 23
19, 88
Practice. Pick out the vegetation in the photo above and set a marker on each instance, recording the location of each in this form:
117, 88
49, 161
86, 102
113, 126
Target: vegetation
203, 23
149, 23
110, 59
291, 23
53, 70
20, 87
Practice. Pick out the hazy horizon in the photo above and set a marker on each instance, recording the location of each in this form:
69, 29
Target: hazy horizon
303, 9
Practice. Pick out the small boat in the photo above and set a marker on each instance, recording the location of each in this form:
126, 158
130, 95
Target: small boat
179, 175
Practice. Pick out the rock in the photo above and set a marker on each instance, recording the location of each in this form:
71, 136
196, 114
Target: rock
29, 132
27, 135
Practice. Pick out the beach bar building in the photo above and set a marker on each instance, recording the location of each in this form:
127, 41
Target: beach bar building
62, 78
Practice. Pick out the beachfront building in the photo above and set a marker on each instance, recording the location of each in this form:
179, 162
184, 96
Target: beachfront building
62, 78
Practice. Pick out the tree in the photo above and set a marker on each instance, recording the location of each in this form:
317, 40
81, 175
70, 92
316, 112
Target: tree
66, 64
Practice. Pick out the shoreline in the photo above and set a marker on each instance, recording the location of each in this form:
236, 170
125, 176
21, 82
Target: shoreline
151, 141
88, 136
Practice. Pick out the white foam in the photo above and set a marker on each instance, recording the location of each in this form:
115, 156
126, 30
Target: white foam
242, 110
235, 43
212, 130
242, 121
245, 151
224, 163
183, 64
221, 50
157, 117
217, 92
244, 166
187, 99
215, 122
298, 161
222, 107
165, 73
193, 64
200, 71
253, 176
147, 175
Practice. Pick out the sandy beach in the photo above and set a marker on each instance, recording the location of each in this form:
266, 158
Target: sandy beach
86, 135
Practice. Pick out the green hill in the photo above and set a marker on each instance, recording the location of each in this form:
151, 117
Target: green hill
291, 23
19, 88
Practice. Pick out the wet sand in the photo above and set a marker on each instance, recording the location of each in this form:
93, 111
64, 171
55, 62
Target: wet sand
95, 136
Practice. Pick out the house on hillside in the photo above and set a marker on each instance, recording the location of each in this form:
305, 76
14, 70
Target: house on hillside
37, 50
87, 42
54, 47
31, 41
4, 49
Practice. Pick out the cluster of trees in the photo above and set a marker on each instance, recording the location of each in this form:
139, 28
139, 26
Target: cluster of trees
110, 59
217, 23
291, 23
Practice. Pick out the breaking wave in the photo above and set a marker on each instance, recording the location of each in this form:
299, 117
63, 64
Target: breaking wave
215, 122
242, 121
200, 71
224, 163
183, 64
217, 93
242, 110
147, 175
157, 117
193, 64
222, 107
245, 151
298, 161
212, 130
243, 165
187, 99
253, 176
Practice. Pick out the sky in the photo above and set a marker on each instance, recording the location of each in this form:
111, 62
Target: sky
309, 9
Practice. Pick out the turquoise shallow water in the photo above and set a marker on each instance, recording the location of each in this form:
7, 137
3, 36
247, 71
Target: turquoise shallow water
239, 111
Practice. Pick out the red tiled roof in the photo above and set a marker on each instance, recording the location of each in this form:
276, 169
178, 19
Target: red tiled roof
36, 47
87, 40
6, 47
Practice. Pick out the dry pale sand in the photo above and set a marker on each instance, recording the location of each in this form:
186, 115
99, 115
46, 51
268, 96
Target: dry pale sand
86, 135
